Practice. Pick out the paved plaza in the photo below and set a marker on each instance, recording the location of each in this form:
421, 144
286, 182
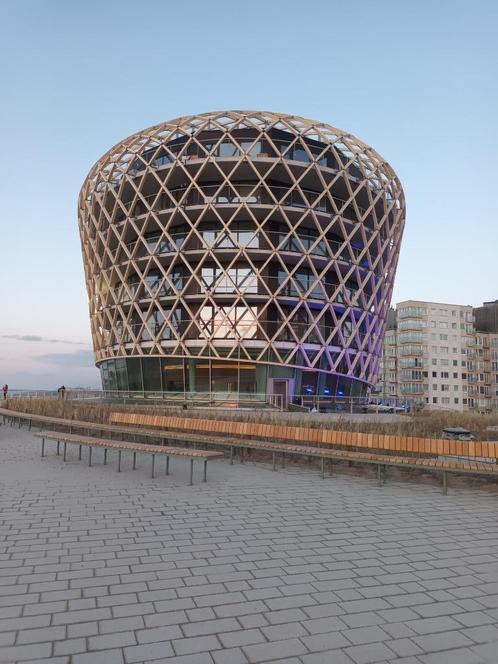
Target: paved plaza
101, 567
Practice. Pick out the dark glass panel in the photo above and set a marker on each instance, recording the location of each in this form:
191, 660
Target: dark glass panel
151, 369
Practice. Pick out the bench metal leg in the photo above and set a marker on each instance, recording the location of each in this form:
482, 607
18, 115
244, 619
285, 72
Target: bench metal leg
79, 453
231, 455
379, 474
204, 477
323, 468
241, 455
105, 456
58, 447
445, 482
191, 472
274, 461
167, 465
134, 460
90, 449
119, 461
43, 447
283, 459
153, 462
30, 422
65, 449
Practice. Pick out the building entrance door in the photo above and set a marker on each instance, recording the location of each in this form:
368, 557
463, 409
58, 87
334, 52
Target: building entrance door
281, 388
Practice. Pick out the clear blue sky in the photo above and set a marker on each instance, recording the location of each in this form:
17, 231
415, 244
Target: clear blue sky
416, 79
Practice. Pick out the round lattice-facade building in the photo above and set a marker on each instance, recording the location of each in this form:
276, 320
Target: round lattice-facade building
240, 251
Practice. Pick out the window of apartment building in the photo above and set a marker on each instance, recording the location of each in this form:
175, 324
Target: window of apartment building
444, 349
445, 400
455, 388
444, 374
453, 326
454, 349
455, 374
445, 363
456, 400
445, 388
434, 349
434, 399
443, 337
434, 362
464, 363
434, 374
434, 387
464, 376
464, 401
455, 363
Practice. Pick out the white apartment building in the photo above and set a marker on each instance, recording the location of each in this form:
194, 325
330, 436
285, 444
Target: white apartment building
426, 355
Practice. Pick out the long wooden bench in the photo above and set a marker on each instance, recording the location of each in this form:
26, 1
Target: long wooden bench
127, 446
404, 451
315, 437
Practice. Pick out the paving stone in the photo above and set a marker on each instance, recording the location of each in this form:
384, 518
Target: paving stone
195, 644
244, 637
442, 641
70, 647
368, 654
404, 647
328, 657
229, 656
147, 651
319, 642
210, 627
362, 635
276, 649
41, 635
19, 653
109, 641
103, 657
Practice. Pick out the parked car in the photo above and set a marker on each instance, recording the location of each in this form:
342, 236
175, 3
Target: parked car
382, 408
457, 433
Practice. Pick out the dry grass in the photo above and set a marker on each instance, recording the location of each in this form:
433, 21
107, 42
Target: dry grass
424, 425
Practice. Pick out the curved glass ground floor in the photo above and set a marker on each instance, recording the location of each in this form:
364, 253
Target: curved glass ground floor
161, 374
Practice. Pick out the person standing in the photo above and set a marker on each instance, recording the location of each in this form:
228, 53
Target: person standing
61, 391
5, 390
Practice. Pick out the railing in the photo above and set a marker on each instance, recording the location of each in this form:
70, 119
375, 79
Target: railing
236, 331
269, 241
237, 194
203, 149
218, 399
345, 404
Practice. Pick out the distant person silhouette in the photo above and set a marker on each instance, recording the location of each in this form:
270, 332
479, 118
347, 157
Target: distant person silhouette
61, 391
5, 389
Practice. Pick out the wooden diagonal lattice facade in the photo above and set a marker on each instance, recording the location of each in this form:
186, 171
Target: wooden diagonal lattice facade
240, 235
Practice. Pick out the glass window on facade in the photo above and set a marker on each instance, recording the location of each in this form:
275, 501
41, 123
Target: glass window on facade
135, 381
239, 322
173, 379
151, 369
235, 279
231, 239
228, 149
250, 148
